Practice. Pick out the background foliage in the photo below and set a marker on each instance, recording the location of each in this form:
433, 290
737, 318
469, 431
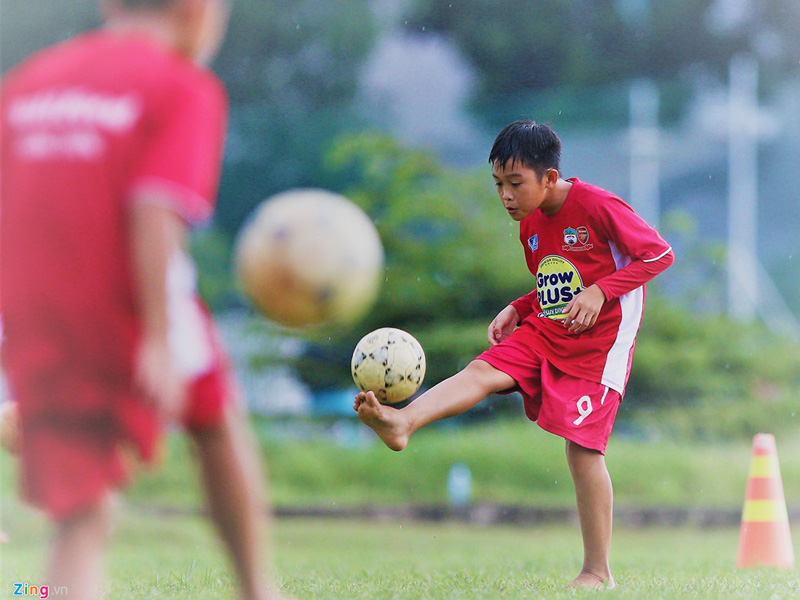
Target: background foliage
453, 259
291, 71
522, 49
292, 67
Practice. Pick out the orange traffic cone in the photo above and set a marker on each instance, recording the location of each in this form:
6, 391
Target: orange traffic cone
764, 539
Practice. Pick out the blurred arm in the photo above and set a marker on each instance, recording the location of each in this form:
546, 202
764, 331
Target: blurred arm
156, 234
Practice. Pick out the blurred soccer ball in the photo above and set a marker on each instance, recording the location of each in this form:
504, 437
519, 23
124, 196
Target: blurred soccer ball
310, 256
9, 427
390, 363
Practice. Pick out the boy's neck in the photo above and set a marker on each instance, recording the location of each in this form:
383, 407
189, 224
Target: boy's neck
158, 30
558, 195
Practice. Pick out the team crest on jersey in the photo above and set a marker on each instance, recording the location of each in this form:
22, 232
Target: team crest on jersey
576, 239
533, 242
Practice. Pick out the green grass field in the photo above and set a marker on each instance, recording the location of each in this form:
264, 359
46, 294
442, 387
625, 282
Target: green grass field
163, 550
512, 461
179, 557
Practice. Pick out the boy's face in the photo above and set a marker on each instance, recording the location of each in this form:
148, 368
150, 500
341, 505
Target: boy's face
522, 191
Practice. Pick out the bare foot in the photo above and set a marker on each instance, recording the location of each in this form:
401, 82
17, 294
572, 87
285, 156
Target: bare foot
586, 579
386, 421
273, 593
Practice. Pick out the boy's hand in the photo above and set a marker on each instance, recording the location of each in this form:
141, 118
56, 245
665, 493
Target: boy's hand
158, 378
583, 309
502, 325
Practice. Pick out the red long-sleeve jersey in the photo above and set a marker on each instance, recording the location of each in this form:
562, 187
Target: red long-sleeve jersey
594, 238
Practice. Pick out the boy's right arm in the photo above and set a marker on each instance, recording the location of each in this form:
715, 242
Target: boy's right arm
503, 324
510, 317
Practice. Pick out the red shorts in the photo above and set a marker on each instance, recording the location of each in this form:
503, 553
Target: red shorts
68, 464
576, 409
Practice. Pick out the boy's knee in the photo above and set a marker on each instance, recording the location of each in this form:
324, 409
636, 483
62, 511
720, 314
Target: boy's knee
581, 459
578, 449
229, 425
96, 521
209, 434
488, 378
576, 452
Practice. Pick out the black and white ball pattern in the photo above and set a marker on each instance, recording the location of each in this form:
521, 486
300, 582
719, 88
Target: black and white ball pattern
389, 362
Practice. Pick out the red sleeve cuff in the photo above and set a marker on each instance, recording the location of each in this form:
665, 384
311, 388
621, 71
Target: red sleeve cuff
524, 305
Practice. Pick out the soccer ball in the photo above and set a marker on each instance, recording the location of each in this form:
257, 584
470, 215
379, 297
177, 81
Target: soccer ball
390, 363
309, 256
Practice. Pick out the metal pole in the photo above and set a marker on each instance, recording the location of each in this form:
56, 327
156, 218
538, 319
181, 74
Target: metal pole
644, 138
743, 287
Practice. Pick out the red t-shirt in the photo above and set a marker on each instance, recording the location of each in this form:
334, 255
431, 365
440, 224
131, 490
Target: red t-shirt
83, 125
594, 238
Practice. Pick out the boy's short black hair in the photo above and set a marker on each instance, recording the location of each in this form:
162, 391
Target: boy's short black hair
530, 143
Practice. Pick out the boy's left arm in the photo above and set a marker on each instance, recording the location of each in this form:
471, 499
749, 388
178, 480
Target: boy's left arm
639, 250
634, 275
648, 254
583, 310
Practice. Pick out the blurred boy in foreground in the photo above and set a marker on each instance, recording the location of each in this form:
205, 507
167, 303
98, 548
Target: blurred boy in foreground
567, 346
112, 146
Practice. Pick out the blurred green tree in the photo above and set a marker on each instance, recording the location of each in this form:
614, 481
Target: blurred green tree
684, 356
454, 260
689, 350
532, 44
291, 69
453, 257
522, 49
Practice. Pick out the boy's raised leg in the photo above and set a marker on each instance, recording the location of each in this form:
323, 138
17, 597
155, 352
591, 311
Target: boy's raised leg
595, 499
449, 398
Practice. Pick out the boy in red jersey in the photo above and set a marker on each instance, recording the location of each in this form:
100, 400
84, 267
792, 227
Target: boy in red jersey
112, 145
567, 346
